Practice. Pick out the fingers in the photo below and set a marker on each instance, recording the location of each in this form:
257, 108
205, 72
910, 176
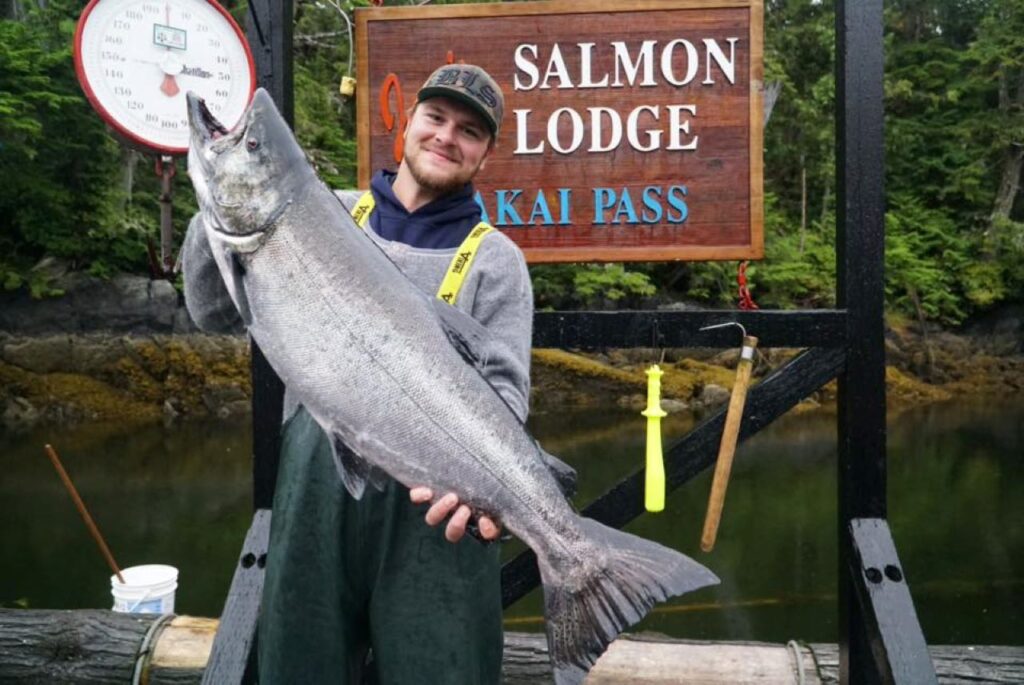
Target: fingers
444, 507
421, 495
457, 525
489, 529
440, 509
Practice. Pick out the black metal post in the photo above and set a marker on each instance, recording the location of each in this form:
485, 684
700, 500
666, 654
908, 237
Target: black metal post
860, 240
233, 654
269, 30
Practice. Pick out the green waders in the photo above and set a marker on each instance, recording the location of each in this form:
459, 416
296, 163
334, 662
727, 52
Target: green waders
343, 575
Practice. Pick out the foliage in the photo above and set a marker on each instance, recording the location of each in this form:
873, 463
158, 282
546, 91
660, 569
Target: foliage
324, 120
63, 193
571, 286
925, 257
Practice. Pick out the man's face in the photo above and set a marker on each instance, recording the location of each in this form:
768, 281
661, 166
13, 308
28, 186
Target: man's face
446, 144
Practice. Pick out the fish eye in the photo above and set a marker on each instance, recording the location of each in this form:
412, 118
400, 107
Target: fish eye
252, 144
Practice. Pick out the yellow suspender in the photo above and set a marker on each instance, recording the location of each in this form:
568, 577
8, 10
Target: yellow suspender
457, 270
361, 212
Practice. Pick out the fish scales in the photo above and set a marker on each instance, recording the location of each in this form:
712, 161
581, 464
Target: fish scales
391, 373
394, 346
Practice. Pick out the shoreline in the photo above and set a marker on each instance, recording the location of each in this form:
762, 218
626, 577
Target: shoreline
139, 379
125, 349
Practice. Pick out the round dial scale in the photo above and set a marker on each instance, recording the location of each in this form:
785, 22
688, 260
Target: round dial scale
136, 59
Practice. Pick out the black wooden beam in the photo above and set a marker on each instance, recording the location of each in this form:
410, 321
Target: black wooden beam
896, 641
269, 32
269, 27
232, 657
768, 400
860, 248
627, 329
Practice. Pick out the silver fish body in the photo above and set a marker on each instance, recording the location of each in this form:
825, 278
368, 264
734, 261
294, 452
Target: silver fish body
392, 374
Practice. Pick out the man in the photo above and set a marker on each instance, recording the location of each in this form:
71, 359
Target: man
345, 575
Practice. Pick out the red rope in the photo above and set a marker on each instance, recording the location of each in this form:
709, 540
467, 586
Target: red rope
746, 301
158, 167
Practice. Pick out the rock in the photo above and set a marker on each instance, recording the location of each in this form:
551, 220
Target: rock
225, 400
18, 413
674, 406
163, 304
125, 304
681, 306
90, 354
183, 323
635, 402
727, 358
711, 395
169, 411
39, 355
1000, 332
237, 408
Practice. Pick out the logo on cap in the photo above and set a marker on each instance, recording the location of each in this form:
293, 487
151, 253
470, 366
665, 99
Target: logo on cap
470, 85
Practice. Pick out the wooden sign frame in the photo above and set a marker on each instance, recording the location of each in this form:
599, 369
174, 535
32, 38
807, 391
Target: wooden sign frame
732, 226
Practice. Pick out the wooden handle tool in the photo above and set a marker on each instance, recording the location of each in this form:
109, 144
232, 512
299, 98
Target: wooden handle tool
733, 418
55, 460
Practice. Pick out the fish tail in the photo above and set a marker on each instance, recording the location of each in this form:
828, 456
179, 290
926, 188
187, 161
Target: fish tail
587, 604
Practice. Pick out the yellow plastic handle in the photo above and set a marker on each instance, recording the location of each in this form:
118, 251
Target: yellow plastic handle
654, 480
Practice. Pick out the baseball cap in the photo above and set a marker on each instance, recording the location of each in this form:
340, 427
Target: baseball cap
470, 85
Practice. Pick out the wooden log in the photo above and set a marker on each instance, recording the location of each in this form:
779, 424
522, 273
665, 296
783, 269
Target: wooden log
89, 646
95, 646
647, 660
954, 664
92, 646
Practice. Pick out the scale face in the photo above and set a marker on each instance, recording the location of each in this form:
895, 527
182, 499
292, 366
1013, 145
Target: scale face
136, 59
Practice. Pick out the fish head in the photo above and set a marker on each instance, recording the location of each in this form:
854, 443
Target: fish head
247, 176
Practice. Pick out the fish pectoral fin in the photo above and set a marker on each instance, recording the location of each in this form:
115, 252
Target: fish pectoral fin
353, 469
467, 335
378, 478
237, 290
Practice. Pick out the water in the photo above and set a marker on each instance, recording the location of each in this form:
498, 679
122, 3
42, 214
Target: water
182, 497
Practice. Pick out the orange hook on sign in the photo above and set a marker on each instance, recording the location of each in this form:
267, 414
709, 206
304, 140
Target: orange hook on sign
391, 84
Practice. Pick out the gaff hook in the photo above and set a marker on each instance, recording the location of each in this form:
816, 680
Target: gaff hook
726, 451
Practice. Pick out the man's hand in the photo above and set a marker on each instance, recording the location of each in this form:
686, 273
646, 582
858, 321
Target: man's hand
456, 528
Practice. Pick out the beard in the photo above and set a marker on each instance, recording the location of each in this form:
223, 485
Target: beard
438, 182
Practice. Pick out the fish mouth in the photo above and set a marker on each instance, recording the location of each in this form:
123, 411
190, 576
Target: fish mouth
204, 125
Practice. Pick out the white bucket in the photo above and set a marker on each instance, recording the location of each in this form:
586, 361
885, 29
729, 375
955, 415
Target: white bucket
146, 589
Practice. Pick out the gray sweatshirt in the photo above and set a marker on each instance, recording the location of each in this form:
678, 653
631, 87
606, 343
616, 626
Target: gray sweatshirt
497, 293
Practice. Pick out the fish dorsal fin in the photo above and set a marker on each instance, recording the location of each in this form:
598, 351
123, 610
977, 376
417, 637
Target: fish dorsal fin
467, 335
355, 471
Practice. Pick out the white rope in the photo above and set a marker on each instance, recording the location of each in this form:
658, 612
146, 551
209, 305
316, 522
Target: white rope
145, 649
798, 657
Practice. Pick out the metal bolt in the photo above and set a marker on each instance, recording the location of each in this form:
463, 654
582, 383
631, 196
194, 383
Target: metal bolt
893, 573
873, 574
261, 561
248, 560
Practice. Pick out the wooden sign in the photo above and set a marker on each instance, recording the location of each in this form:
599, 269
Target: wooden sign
632, 130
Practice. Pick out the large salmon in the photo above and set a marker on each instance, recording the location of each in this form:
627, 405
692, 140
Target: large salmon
392, 374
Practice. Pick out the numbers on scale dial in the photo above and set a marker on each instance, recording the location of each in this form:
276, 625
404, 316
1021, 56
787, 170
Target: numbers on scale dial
151, 53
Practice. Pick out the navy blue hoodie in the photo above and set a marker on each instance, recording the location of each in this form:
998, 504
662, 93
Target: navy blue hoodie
443, 223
